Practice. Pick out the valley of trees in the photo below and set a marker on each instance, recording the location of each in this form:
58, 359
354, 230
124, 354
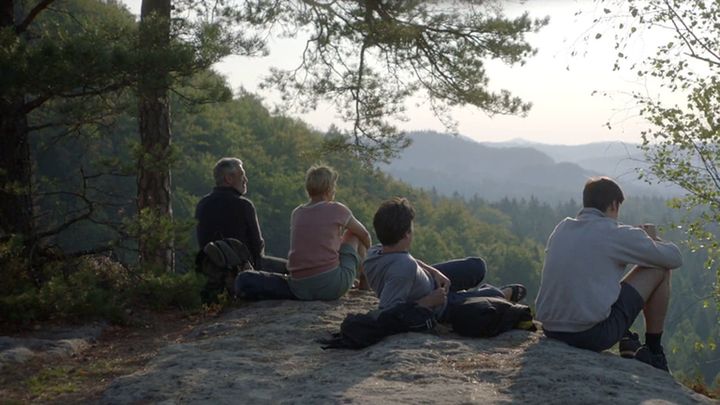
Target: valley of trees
71, 234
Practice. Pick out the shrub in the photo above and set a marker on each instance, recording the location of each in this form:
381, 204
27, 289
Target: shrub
167, 290
96, 288
86, 293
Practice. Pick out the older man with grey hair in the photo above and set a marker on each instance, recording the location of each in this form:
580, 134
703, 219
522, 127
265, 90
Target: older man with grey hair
226, 213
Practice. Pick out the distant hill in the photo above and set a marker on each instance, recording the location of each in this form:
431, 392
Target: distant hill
619, 160
518, 168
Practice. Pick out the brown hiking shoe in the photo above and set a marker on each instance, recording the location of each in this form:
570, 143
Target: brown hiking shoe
628, 345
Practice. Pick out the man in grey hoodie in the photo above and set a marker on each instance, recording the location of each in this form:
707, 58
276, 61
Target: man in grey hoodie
586, 299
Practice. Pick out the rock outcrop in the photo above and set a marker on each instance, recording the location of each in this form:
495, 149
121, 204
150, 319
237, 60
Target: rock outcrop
54, 342
265, 353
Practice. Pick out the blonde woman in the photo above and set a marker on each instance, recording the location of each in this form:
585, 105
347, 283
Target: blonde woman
327, 243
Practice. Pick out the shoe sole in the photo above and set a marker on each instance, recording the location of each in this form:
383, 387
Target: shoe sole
627, 354
519, 292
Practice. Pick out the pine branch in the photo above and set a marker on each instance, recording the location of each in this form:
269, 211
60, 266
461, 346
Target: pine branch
22, 27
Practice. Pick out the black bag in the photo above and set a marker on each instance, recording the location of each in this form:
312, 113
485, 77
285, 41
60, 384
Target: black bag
488, 316
358, 331
408, 317
220, 261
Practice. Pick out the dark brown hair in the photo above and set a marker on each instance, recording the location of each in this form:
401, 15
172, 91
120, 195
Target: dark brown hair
601, 192
393, 220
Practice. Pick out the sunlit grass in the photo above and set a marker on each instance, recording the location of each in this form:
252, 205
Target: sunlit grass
56, 380
53, 381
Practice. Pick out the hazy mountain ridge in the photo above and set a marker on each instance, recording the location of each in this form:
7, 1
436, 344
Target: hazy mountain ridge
516, 168
613, 158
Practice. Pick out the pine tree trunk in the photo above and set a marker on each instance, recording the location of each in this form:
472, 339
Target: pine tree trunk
153, 181
16, 209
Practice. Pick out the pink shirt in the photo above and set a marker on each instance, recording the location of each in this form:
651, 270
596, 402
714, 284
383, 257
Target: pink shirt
315, 236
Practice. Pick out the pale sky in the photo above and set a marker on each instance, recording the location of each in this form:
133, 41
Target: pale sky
559, 84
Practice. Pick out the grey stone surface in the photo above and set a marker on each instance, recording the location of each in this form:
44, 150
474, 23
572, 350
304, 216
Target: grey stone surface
265, 353
66, 341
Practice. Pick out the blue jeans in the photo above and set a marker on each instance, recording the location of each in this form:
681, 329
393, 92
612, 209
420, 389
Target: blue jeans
272, 264
263, 285
465, 277
275, 284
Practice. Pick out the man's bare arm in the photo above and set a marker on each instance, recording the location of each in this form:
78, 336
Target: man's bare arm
435, 299
440, 279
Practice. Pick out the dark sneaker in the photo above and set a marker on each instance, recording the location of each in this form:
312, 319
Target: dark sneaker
628, 345
517, 292
656, 360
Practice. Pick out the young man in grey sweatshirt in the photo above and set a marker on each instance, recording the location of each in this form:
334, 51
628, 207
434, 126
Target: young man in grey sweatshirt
585, 297
397, 277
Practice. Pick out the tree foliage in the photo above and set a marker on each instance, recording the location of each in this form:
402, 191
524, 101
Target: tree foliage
367, 58
61, 69
47, 57
682, 142
66, 70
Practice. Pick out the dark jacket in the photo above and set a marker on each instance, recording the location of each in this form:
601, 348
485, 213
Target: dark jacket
225, 213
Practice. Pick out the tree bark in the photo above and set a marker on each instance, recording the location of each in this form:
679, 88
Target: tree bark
156, 247
16, 209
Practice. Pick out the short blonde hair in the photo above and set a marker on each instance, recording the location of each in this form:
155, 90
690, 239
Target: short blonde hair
320, 179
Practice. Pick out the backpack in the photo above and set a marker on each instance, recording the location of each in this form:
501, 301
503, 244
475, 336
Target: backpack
488, 317
220, 261
358, 331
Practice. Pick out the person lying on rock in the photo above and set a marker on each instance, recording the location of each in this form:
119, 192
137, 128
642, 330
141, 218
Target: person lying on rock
397, 277
584, 300
327, 245
227, 213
